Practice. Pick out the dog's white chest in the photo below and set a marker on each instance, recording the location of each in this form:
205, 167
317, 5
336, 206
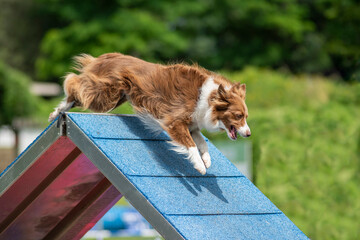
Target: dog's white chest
202, 115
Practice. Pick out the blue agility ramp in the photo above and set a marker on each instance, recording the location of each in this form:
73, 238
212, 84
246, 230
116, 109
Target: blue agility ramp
82, 164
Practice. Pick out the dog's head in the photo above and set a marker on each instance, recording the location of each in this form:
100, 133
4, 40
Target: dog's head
231, 110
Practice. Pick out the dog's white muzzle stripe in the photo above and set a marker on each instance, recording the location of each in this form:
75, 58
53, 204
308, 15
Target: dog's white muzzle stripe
244, 131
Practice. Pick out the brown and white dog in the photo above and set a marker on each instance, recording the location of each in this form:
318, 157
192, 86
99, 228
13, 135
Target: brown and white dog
181, 99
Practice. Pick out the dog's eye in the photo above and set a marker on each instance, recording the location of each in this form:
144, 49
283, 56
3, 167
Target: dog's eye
239, 116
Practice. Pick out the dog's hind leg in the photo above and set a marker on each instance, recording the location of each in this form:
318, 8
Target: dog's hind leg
70, 86
64, 106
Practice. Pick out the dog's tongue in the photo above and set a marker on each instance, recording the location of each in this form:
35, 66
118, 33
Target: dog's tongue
233, 133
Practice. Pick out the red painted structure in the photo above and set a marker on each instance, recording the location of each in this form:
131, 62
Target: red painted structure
60, 196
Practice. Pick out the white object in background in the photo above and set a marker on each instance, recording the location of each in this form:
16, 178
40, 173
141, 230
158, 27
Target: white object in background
7, 137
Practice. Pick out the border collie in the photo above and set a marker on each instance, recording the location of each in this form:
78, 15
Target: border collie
181, 99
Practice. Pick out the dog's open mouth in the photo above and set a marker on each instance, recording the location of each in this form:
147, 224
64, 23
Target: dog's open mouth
232, 133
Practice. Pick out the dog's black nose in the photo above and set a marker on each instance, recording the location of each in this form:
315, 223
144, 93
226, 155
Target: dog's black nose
248, 133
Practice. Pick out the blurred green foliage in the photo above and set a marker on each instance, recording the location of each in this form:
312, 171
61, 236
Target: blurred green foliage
318, 36
15, 97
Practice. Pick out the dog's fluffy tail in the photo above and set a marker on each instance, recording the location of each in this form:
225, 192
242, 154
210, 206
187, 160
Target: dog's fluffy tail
81, 61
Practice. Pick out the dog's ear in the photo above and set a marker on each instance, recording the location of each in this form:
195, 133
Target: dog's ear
239, 89
221, 93
243, 87
221, 102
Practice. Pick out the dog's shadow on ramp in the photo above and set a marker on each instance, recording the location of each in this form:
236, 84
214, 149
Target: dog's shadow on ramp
176, 165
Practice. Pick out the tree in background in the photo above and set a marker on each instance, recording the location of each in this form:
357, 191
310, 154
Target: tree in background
304, 36
16, 100
15, 97
133, 31
337, 25
20, 34
319, 36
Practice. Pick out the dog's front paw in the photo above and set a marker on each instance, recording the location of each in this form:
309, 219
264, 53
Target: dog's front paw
200, 167
206, 159
196, 160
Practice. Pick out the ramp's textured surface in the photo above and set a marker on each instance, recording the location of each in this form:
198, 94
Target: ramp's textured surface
223, 204
81, 165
